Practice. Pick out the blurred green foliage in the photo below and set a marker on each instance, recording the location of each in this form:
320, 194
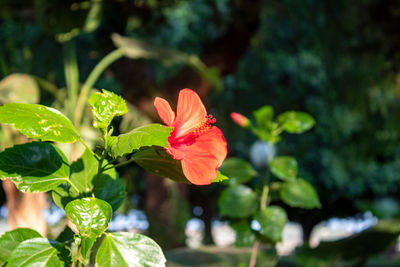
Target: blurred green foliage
337, 60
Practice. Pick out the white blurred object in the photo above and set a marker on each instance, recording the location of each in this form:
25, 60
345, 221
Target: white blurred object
53, 215
223, 235
292, 237
338, 228
261, 153
135, 220
194, 232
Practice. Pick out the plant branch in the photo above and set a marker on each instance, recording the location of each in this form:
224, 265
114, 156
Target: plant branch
91, 80
71, 75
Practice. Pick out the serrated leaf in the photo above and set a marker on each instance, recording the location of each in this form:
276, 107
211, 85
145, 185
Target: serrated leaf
90, 215
284, 167
39, 122
220, 178
245, 236
148, 135
20, 88
129, 249
11, 239
105, 106
238, 170
237, 201
272, 220
296, 122
159, 162
264, 116
34, 167
299, 193
109, 188
35, 252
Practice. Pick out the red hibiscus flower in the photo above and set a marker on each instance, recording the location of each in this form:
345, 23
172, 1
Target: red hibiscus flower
199, 146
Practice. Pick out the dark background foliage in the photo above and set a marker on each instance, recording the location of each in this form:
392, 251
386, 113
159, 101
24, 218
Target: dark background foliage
337, 60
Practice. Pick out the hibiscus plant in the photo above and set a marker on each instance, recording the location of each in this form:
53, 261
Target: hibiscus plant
188, 149
248, 208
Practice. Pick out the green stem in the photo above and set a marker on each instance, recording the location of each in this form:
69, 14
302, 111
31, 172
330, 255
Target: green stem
91, 80
264, 197
122, 163
100, 170
72, 184
71, 75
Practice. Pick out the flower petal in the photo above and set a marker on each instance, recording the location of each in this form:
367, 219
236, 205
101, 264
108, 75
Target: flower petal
213, 142
201, 159
164, 110
190, 112
200, 169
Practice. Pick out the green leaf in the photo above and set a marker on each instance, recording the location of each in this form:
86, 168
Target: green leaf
148, 135
296, 122
36, 252
272, 220
40, 122
238, 170
20, 88
11, 239
264, 116
105, 106
90, 215
159, 162
129, 249
245, 237
299, 193
220, 178
237, 201
34, 167
284, 167
109, 187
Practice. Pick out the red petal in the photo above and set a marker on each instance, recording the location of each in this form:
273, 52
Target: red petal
201, 159
190, 112
200, 169
164, 110
213, 142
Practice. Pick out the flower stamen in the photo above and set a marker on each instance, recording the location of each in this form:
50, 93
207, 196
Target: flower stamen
204, 126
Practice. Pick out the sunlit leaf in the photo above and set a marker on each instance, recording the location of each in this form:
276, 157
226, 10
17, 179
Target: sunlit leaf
129, 249
148, 135
40, 122
238, 170
105, 106
159, 162
20, 88
284, 167
90, 215
299, 193
220, 178
237, 201
11, 239
36, 252
272, 220
83, 175
296, 122
34, 167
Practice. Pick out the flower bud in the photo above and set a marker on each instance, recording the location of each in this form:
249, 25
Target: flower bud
240, 119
